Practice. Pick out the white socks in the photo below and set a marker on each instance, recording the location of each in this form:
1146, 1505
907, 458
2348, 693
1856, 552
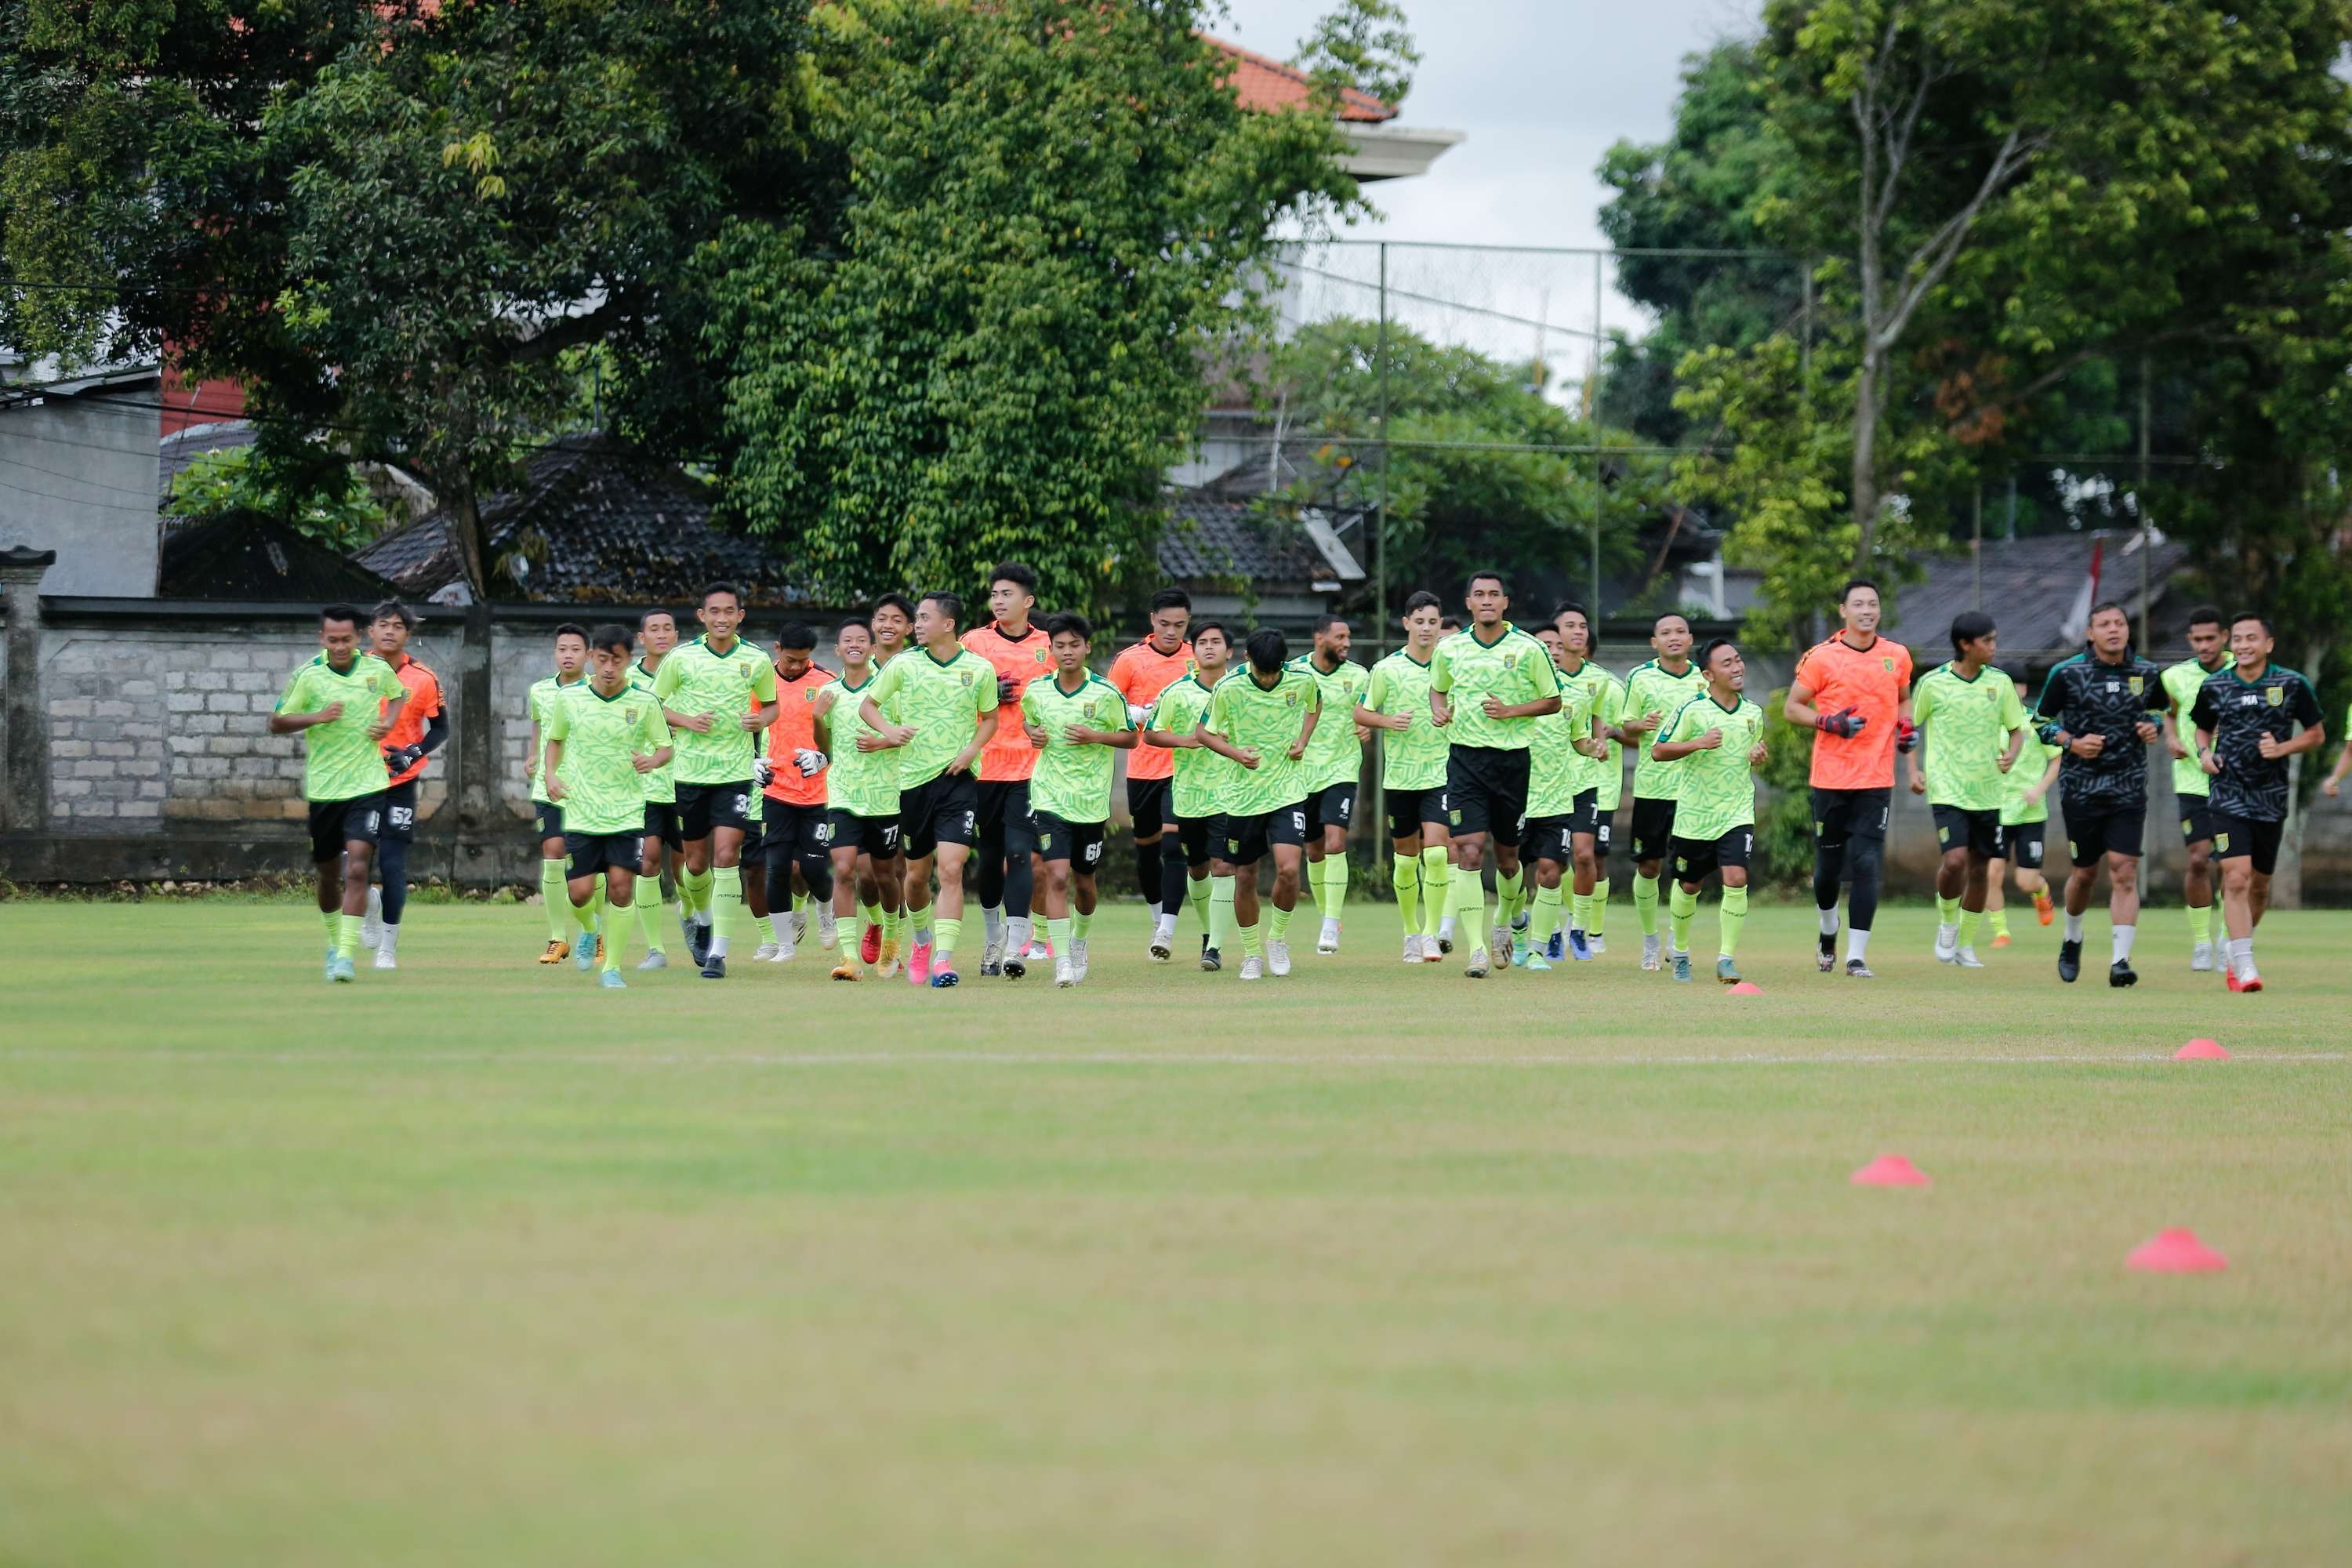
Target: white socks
991, 920
391, 940
375, 903
2242, 957
1166, 926
1828, 920
1016, 934
1857, 942
2124, 935
2074, 927
781, 922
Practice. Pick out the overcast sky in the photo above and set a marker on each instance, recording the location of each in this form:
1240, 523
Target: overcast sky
1541, 88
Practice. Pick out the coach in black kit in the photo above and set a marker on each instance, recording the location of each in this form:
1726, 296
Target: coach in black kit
2101, 707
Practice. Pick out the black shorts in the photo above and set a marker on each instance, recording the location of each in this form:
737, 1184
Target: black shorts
1059, 838
2096, 831
2198, 819
703, 806
791, 831
1243, 840
1603, 831
2237, 837
335, 823
661, 822
1004, 813
594, 854
1411, 810
1148, 807
1654, 827
546, 820
944, 810
1486, 792
399, 815
1198, 835
2021, 843
1840, 815
875, 835
1549, 839
1695, 858
1979, 832
755, 839
1333, 805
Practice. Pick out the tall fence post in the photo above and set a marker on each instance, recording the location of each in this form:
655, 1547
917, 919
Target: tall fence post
475, 788
24, 717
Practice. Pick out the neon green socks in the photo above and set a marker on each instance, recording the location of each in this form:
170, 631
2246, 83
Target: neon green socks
1404, 874
1510, 895
1196, 893
1079, 923
557, 897
2200, 924
1058, 933
726, 907
648, 902
1968, 918
347, 934
1681, 906
1277, 925
1332, 886
1600, 911
1469, 909
1645, 903
1732, 916
1579, 911
1220, 912
1436, 889
335, 923
2001, 921
1251, 947
1948, 911
944, 934
1547, 918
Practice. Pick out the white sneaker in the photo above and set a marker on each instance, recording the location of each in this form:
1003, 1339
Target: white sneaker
1594, 943
1966, 957
1039, 951
1652, 948
1252, 969
1078, 957
786, 951
1277, 958
1948, 944
763, 953
800, 924
828, 935
1412, 948
1477, 969
1432, 950
1164, 944
992, 954
384, 958
1446, 934
1329, 943
1065, 976
2200, 959
371, 923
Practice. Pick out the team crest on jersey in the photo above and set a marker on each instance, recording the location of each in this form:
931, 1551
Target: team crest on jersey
2134, 685
1887, 661
2277, 694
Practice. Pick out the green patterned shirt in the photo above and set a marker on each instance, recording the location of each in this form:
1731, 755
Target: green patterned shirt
1414, 758
661, 785
2032, 764
2182, 681
1554, 767
1652, 688
863, 784
1199, 773
1514, 669
1334, 756
1971, 721
1604, 700
1717, 788
341, 761
542, 697
1073, 777
1268, 718
942, 700
696, 679
603, 737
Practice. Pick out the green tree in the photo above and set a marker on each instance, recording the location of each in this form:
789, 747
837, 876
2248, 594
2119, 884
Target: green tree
1364, 45
238, 480
988, 338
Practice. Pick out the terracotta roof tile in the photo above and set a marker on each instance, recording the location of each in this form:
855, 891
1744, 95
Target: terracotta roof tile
1267, 84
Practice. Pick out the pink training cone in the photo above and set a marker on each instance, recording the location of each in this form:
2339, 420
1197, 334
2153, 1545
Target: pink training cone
1889, 1171
2201, 1051
2176, 1251
1746, 988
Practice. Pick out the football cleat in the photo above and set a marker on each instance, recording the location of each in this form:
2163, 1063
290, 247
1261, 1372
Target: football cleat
1855, 969
655, 959
1727, 971
2200, 958
611, 981
846, 970
2070, 961
1652, 947
1211, 959
1477, 969
945, 979
1328, 942
2120, 974
1077, 957
558, 950
1277, 958
828, 932
590, 949
1681, 966
1967, 958
1064, 975
919, 965
714, 968
1413, 947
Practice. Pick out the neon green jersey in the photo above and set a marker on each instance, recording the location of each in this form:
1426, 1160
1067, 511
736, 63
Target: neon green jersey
942, 702
603, 737
697, 679
2182, 681
864, 783
341, 761
1199, 773
1513, 667
1269, 718
1414, 758
1334, 756
2032, 764
542, 697
1555, 771
1716, 789
1604, 701
1072, 779
661, 786
1653, 688
1968, 735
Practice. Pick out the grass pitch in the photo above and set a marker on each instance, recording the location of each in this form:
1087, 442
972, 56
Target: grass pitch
474, 1263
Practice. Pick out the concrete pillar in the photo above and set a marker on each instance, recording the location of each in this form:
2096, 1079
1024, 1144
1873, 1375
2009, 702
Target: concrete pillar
24, 717
474, 781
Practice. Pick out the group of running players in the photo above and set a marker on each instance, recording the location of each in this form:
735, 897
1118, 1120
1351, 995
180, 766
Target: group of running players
939, 761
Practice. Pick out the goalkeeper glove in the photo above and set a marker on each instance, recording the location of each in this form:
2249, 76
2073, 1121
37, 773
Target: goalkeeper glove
1137, 713
1846, 723
809, 761
1906, 735
762, 770
1005, 691
399, 759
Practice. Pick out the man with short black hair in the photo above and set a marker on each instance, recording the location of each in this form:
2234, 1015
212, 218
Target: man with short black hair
794, 832
343, 703
1196, 798
1718, 740
1655, 691
1261, 719
2247, 718
861, 802
2208, 654
1333, 766
422, 729
892, 621
657, 635
1003, 861
1412, 780
605, 736
547, 817
1855, 691
1973, 725
2097, 706
1165, 871
1075, 720
1600, 778
717, 693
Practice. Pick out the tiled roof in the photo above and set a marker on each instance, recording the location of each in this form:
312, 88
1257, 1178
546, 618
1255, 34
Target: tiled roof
247, 556
179, 451
1266, 85
597, 523
2030, 588
1211, 538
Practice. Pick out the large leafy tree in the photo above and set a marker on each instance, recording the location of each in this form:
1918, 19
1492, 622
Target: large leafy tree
390, 222
986, 337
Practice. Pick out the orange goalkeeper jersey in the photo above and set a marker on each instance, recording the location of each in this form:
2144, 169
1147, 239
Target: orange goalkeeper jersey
1872, 681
